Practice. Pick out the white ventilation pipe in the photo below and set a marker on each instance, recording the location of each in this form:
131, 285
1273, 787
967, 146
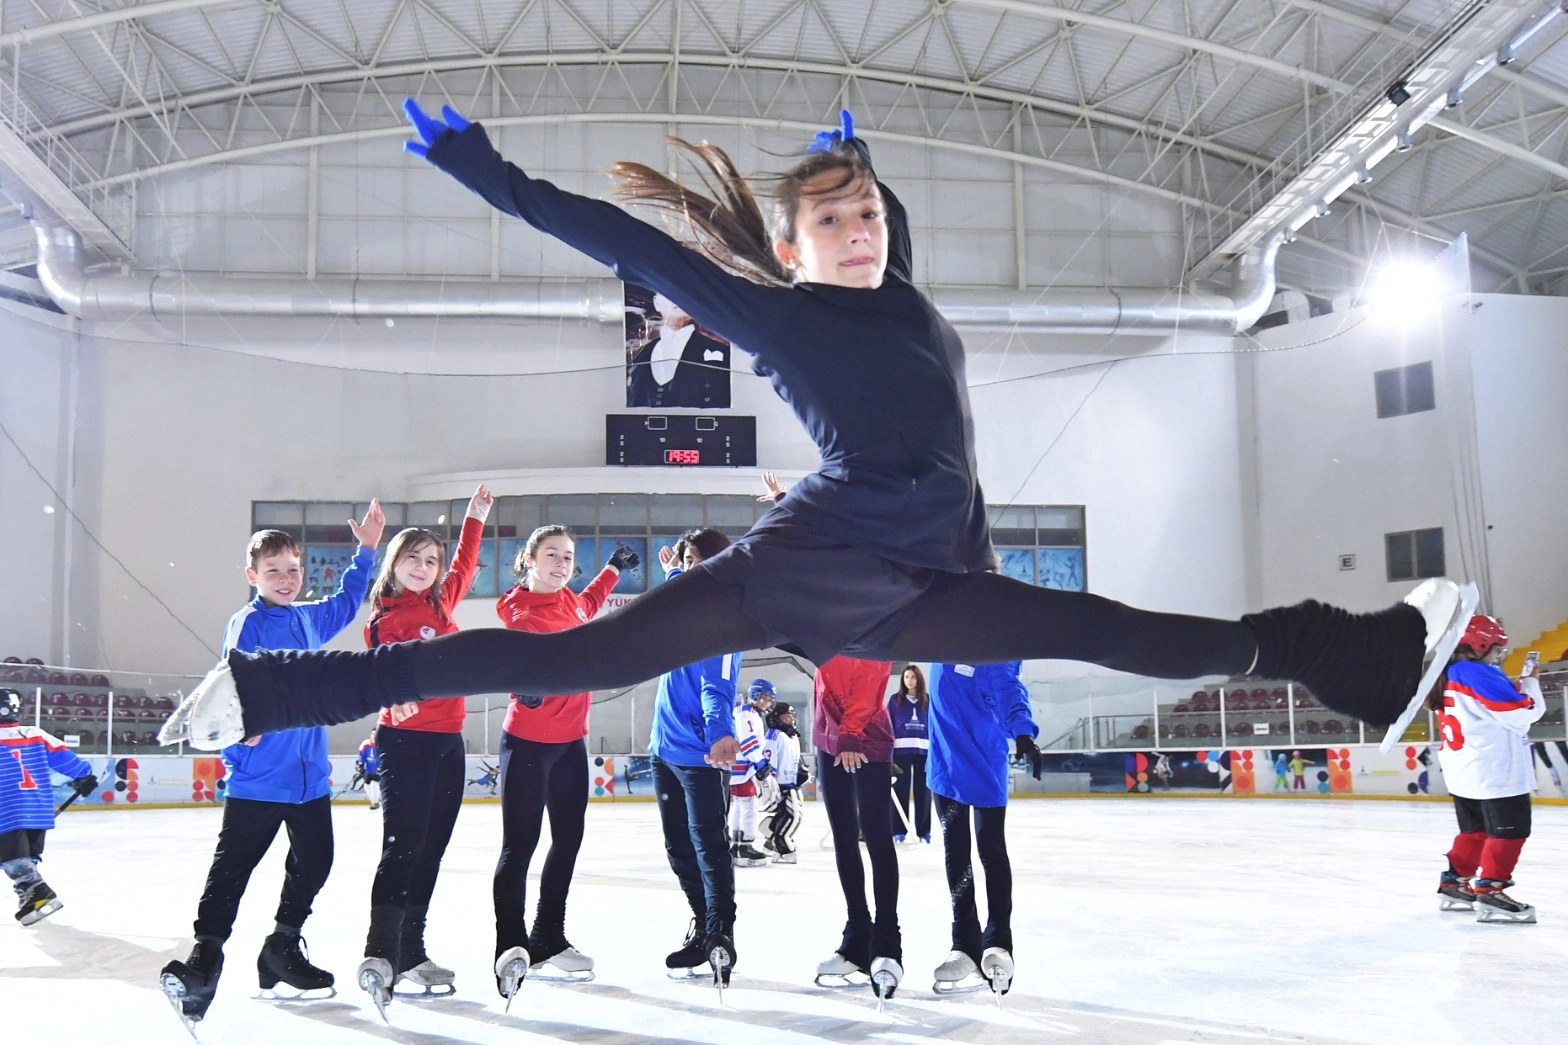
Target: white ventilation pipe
62, 271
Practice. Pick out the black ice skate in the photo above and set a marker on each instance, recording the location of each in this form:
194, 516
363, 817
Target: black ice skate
686, 962
1376, 667
1454, 893
996, 965
375, 978
190, 985
958, 974
1494, 905
36, 901
745, 854
885, 976
511, 968
284, 960
721, 958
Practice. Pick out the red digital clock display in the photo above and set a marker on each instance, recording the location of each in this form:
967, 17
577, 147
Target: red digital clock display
683, 457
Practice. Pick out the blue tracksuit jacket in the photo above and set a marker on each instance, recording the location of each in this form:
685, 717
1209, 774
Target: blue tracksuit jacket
975, 710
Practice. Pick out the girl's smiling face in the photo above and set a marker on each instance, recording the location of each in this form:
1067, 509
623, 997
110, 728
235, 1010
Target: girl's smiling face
840, 234
552, 564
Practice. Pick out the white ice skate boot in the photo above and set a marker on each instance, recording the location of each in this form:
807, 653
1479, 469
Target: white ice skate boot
786, 858
211, 717
838, 972
885, 976
568, 964
1494, 905
1447, 608
958, 974
375, 979
511, 968
996, 965
433, 981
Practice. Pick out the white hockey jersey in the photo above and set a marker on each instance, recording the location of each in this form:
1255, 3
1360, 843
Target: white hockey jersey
749, 732
783, 754
1485, 725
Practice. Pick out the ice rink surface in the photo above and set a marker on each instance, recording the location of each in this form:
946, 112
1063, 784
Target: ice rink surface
1141, 921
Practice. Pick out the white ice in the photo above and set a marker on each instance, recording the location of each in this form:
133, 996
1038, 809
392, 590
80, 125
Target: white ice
1138, 922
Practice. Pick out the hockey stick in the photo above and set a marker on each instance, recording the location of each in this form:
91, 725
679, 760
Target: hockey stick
62, 806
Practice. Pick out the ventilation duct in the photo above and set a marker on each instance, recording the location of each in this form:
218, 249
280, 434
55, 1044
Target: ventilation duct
62, 270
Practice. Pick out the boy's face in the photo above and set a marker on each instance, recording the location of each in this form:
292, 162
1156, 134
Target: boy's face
277, 578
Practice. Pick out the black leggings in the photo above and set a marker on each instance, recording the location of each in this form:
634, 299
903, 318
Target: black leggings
249, 826
536, 777
858, 805
991, 839
969, 618
421, 792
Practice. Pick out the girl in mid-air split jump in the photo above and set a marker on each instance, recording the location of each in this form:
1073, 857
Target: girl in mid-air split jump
884, 552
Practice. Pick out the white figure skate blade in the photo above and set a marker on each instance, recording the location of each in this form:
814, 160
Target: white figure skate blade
423, 992
1448, 903
547, 973
284, 994
833, 982
968, 985
1432, 598
695, 972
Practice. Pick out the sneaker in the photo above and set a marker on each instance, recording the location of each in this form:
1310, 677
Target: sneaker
210, 718
1454, 893
1494, 905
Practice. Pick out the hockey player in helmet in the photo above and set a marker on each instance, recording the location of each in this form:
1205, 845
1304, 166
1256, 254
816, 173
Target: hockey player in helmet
747, 773
1484, 718
782, 753
27, 804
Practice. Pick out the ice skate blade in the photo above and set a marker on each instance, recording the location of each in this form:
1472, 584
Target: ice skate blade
1484, 913
282, 992
835, 982
548, 973
885, 977
1447, 608
695, 972
1448, 903
425, 991
511, 969
968, 985
174, 990
374, 975
39, 913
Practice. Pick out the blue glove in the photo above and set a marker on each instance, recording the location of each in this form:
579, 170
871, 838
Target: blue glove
429, 127
825, 140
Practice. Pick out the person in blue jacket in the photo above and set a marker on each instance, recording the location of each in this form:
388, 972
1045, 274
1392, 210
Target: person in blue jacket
281, 779
975, 708
693, 718
27, 804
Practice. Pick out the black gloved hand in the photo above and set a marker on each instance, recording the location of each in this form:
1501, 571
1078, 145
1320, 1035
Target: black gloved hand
1027, 748
763, 771
528, 700
802, 776
85, 785
623, 558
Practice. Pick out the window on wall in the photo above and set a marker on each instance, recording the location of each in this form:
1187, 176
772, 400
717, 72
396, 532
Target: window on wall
1404, 390
1038, 544
1415, 554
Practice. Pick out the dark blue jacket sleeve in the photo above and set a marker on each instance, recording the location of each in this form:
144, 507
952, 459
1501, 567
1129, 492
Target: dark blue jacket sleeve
633, 249
336, 612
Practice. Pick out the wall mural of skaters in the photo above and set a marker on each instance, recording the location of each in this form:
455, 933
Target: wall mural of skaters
670, 360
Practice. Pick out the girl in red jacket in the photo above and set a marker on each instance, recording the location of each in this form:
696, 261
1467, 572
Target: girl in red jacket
420, 749
853, 735
544, 765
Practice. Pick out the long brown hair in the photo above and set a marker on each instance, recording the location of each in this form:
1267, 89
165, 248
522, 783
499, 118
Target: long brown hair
922, 698
728, 225
407, 541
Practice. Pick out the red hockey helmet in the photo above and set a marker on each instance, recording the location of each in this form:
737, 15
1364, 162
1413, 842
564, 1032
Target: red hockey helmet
1484, 634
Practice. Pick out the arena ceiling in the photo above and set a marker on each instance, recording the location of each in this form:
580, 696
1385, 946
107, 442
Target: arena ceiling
1241, 112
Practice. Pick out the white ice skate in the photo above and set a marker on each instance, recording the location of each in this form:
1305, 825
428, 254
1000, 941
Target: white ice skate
568, 966
996, 965
886, 973
375, 979
511, 968
211, 717
786, 858
839, 973
1447, 608
958, 974
432, 980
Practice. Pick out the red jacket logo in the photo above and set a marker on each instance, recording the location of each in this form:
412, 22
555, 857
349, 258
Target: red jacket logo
427, 632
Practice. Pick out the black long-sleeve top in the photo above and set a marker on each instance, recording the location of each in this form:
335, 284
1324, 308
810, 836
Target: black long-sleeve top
876, 376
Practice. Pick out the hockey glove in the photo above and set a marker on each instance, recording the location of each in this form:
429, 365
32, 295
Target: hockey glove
1027, 748
802, 776
623, 558
85, 785
825, 140
429, 127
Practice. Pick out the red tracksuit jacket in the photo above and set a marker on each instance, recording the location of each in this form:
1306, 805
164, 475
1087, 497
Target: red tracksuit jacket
415, 615
849, 713
558, 719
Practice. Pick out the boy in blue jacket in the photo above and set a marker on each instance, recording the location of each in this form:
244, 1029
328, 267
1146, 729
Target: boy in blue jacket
693, 746
27, 803
278, 780
975, 708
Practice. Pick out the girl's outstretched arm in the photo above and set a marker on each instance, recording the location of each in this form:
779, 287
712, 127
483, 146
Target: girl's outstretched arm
634, 250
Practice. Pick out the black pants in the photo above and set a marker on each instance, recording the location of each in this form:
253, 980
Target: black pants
912, 781
972, 618
248, 829
991, 839
536, 778
25, 843
857, 805
692, 802
421, 792
1498, 817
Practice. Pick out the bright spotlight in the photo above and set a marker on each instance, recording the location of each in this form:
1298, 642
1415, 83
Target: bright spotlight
1405, 291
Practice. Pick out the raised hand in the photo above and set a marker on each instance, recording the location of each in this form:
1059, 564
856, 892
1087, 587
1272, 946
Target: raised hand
479, 504
368, 532
825, 140
623, 558
428, 127
775, 488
